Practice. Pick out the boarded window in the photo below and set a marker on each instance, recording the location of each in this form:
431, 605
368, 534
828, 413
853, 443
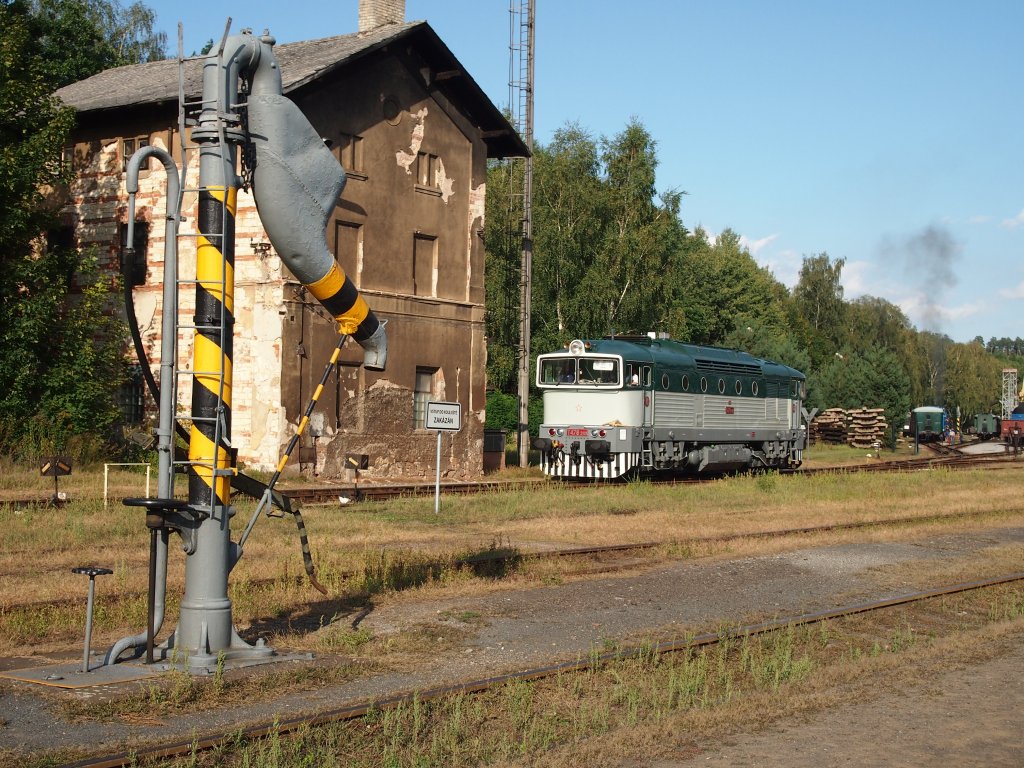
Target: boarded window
424, 265
348, 249
426, 170
350, 155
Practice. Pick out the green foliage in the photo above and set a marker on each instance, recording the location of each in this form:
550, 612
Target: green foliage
502, 411
872, 378
973, 381
33, 130
61, 347
819, 297
78, 38
61, 353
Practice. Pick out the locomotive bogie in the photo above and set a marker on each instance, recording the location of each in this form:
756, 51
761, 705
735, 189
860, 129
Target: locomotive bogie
665, 406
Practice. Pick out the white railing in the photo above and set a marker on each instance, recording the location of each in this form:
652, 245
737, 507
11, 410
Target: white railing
106, 473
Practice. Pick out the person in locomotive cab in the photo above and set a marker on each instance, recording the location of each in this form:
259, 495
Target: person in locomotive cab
568, 373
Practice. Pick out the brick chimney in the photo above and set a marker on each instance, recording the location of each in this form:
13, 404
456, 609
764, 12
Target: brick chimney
377, 13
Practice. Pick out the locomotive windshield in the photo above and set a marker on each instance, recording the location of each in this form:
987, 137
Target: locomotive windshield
580, 371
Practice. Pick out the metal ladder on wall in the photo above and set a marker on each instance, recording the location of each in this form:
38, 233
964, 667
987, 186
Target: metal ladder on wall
185, 107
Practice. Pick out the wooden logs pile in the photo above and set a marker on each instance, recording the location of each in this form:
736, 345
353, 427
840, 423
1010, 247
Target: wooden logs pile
867, 427
829, 426
861, 427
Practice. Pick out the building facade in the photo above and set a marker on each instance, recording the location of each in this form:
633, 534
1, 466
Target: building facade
414, 133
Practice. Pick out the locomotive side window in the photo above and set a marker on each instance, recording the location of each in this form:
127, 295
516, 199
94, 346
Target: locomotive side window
632, 374
739, 387
686, 383
703, 384
645, 375
664, 381
753, 388
721, 386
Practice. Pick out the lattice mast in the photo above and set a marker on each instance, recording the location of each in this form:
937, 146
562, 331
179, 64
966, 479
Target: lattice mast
520, 84
1009, 399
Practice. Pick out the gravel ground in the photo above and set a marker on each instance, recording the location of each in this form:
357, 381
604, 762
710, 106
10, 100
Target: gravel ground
523, 628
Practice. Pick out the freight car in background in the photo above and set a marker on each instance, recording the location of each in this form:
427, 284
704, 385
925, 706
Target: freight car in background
928, 424
622, 406
1013, 427
985, 426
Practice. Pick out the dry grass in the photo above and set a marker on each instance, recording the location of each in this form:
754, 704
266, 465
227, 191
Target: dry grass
402, 550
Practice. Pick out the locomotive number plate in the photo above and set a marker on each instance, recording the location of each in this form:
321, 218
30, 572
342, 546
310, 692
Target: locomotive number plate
576, 432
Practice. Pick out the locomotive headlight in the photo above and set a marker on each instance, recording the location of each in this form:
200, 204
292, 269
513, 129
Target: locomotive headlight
576, 347
559, 431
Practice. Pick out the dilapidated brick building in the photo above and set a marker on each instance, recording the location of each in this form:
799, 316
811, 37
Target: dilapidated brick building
414, 133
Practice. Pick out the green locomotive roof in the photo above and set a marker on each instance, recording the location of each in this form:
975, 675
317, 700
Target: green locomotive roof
676, 354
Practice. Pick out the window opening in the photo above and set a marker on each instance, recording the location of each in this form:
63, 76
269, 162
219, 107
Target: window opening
128, 148
422, 394
130, 397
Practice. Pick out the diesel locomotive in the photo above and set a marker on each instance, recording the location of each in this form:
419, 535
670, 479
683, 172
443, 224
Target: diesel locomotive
624, 406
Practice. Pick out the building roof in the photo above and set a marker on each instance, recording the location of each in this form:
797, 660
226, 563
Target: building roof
157, 82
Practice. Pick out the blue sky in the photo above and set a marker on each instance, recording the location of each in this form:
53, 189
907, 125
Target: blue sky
887, 133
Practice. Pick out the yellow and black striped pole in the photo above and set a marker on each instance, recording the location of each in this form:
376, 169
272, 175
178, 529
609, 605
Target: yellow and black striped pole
209, 454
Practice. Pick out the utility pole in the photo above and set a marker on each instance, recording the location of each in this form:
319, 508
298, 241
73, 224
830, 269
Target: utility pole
521, 105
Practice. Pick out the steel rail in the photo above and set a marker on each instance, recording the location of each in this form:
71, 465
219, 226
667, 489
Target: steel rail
498, 557
361, 709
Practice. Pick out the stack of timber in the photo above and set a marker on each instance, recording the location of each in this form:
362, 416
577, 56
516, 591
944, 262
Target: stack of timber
867, 427
829, 426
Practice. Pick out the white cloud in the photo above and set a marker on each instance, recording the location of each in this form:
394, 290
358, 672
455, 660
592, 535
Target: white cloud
982, 218
857, 279
1016, 292
756, 245
1015, 222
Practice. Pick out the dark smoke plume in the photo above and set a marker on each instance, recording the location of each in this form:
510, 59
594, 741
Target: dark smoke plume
928, 258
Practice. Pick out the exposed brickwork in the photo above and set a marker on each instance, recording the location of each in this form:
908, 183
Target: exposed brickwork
377, 13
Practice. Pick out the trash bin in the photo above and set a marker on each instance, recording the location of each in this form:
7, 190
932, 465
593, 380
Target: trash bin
494, 449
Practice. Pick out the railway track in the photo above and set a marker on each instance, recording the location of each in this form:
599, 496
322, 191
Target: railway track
356, 710
499, 559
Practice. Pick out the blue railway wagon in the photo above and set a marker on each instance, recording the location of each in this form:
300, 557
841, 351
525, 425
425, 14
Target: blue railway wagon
622, 406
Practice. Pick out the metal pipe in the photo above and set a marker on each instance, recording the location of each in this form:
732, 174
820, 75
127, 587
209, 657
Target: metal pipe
168, 359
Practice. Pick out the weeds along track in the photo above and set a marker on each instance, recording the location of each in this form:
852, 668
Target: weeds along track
352, 712
346, 494
504, 560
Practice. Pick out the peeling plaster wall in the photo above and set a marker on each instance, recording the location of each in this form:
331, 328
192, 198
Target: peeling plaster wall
98, 204
434, 311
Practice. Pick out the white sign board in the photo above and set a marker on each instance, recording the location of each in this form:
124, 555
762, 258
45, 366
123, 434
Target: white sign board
444, 416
